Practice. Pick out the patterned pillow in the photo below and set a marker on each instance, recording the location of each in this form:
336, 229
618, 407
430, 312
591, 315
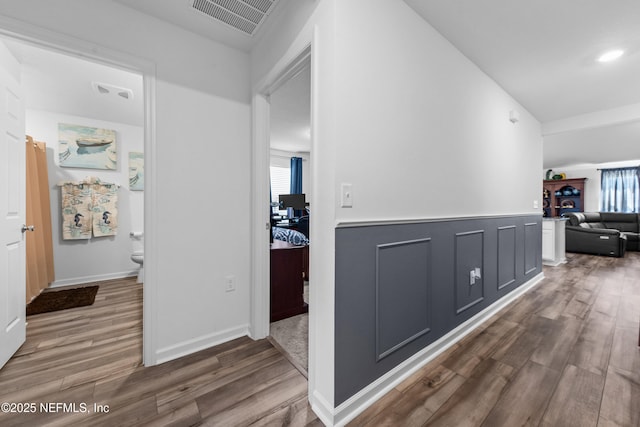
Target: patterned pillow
291, 236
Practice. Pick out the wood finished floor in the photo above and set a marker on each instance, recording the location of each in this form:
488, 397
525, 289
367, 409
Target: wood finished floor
566, 354
93, 355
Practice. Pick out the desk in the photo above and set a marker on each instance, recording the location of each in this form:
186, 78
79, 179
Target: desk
287, 285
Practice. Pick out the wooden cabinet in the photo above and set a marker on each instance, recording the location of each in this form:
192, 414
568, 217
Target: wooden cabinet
287, 281
562, 195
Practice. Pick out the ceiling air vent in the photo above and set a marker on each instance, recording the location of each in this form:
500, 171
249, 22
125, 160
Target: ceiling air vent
111, 90
243, 15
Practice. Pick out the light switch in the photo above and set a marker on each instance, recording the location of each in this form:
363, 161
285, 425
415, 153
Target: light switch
346, 199
535, 204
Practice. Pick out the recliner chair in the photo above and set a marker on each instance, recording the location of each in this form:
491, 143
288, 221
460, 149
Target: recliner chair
588, 233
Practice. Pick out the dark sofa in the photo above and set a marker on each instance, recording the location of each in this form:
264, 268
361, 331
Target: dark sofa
602, 233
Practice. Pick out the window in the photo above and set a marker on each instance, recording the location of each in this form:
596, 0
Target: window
280, 183
620, 190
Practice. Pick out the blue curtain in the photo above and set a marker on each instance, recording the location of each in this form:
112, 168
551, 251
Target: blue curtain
296, 181
620, 190
296, 175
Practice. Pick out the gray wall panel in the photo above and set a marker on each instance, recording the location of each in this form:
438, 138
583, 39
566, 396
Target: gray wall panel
469, 256
506, 256
397, 290
403, 283
531, 246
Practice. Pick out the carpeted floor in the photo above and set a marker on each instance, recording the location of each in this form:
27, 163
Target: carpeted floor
292, 334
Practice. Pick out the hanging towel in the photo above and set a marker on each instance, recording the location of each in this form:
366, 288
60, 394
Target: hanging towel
89, 205
76, 211
105, 209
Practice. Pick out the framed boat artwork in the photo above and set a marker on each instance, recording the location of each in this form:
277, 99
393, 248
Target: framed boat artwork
136, 171
86, 147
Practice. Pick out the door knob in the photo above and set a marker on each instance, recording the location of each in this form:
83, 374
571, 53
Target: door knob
26, 228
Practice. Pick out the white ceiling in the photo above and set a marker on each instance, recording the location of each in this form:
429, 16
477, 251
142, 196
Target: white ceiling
64, 84
291, 114
290, 104
606, 144
543, 53
182, 14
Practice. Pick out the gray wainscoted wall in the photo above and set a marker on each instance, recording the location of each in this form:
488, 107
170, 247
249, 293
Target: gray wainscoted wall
400, 287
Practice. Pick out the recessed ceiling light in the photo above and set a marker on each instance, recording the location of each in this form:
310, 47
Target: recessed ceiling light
611, 55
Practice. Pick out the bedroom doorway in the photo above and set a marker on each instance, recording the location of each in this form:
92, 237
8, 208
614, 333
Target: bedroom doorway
290, 213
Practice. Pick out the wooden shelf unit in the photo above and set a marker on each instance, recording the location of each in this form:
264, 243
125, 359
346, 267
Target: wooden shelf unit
562, 195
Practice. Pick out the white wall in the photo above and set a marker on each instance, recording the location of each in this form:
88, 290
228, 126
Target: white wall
202, 138
416, 128
78, 261
304, 22
423, 132
385, 85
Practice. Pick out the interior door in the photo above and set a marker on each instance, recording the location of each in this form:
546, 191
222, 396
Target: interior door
12, 208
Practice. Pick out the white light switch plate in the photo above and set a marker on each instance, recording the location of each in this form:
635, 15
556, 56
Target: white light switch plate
346, 198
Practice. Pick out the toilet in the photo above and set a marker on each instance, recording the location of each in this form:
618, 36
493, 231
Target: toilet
137, 255
138, 258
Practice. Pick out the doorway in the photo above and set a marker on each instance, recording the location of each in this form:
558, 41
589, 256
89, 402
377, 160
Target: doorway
290, 65
66, 96
62, 47
290, 189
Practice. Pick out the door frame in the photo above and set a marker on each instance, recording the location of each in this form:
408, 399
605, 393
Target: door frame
59, 43
290, 64
261, 218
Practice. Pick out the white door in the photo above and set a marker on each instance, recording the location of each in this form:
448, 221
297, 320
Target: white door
12, 208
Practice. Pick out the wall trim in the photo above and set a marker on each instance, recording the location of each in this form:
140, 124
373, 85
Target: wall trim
356, 404
93, 278
200, 343
401, 221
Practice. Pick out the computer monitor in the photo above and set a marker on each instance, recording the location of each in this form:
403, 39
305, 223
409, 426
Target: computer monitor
295, 201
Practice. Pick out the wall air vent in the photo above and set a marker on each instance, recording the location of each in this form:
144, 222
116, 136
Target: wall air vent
111, 90
243, 15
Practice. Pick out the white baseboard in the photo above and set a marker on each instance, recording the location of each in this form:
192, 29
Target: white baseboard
95, 278
348, 410
552, 263
322, 408
196, 344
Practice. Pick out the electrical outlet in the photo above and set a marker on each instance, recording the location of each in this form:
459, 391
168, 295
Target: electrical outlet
230, 283
473, 275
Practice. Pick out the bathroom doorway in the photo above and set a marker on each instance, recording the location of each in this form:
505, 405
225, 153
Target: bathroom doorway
44, 87
95, 97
